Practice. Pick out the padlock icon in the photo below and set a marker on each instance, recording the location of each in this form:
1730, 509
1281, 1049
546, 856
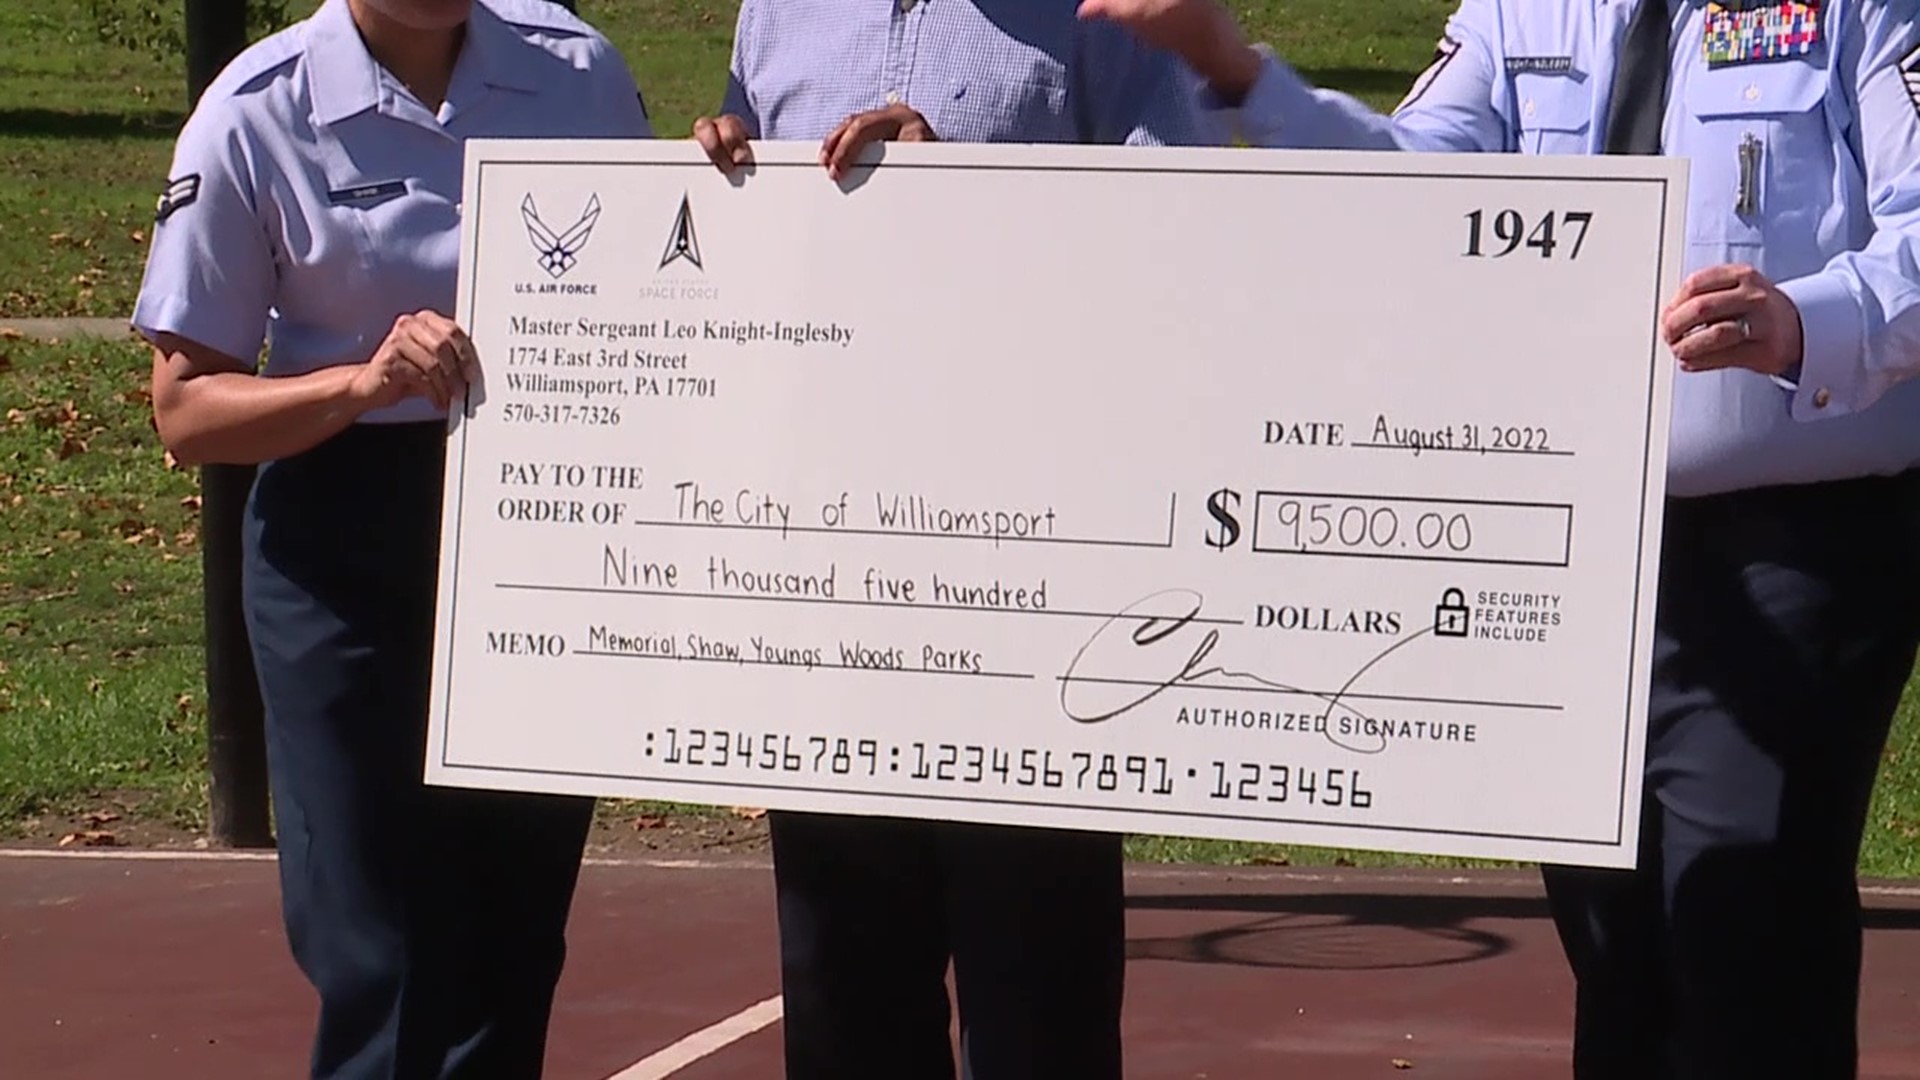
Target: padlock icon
1450, 618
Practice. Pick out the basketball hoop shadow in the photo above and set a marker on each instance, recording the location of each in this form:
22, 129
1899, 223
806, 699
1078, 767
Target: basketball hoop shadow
1333, 932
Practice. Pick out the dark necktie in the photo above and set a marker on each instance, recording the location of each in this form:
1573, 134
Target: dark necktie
1639, 106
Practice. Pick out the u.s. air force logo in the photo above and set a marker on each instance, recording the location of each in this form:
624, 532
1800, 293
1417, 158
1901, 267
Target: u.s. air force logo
559, 251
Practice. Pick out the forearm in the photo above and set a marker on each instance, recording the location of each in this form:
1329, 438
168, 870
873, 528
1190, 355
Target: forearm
236, 418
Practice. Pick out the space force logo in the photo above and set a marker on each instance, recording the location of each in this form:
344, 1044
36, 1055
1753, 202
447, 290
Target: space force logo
559, 252
681, 275
683, 243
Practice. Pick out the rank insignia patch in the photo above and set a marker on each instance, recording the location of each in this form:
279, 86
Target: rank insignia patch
1443, 55
1910, 71
1746, 32
178, 196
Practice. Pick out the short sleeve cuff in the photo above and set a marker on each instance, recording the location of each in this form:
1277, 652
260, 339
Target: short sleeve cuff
1260, 118
1829, 381
153, 316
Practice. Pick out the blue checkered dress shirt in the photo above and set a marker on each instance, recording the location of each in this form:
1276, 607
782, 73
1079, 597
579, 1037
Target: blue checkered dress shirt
1023, 71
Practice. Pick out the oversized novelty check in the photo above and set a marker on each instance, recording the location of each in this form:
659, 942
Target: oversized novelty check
1296, 497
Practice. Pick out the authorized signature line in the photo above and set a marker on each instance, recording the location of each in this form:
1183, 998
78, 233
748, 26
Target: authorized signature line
1267, 687
1155, 637
742, 661
602, 590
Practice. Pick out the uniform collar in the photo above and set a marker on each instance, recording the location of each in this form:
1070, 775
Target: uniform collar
345, 80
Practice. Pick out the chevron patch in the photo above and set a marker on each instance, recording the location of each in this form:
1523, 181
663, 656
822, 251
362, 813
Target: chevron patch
1910, 71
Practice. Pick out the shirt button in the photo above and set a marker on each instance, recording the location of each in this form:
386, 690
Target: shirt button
1821, 398
893, 97
1753, 92
1529, 108
907, 5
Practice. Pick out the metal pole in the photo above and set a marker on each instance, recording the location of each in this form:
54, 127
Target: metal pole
237, 785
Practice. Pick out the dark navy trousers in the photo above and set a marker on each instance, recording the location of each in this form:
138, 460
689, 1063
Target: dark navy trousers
1786, 629
431, 921
872, 910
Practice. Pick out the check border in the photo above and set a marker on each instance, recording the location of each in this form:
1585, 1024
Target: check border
1634, 673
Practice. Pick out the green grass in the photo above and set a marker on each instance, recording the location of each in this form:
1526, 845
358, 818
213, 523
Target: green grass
100, 662
100, 667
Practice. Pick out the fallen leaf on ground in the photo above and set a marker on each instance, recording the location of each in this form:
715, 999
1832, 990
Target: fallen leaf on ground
89, 838
649, 821
1272, 860
8, 333
191, 502
749, 812
1402, 1063
101, 817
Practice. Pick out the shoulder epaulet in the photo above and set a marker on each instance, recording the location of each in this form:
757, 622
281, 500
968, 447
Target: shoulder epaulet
541, 16
263, 57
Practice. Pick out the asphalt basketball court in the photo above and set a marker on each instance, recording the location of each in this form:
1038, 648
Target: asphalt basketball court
162, 966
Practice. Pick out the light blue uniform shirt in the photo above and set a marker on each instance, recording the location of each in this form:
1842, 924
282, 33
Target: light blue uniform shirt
1024, 72
1834, 219
314, 199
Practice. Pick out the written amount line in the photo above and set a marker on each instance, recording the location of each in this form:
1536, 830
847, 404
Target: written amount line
606, 590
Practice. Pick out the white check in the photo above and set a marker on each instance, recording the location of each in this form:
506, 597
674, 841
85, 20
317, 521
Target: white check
1309, 498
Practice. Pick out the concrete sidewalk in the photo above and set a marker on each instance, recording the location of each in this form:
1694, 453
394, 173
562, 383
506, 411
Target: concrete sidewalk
65, 329
163, 967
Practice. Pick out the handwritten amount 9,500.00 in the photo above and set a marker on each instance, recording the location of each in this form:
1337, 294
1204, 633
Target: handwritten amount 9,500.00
1080, 770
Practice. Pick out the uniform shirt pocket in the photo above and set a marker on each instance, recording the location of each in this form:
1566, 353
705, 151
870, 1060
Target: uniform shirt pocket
1555, 111
1758, 143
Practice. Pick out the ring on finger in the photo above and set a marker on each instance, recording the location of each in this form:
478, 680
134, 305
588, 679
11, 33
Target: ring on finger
1746, 329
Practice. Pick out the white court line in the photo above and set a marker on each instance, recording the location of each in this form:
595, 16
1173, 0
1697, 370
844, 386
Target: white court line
703, 1043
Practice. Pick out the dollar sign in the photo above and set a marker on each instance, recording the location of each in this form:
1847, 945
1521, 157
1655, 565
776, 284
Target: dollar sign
1228, 533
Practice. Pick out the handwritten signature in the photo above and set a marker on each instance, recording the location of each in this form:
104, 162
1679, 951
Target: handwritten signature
1164, 631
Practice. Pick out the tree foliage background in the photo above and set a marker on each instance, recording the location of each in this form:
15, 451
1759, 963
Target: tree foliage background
159, 26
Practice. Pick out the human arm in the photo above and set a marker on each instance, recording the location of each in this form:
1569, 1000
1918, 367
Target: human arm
1860, 315
1839, 338
210, 407
727, 135
1263, 101
212, 277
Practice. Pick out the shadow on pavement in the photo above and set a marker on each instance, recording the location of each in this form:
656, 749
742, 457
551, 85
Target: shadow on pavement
1364, 931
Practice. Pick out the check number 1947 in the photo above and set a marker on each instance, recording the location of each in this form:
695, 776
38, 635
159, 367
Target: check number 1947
1496, 234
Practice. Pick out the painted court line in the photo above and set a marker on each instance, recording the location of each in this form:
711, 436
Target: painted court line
703, 1043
